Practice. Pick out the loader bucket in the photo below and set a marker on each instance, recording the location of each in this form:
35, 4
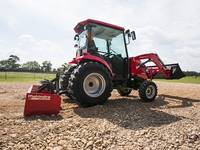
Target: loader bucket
176, 72
41, 103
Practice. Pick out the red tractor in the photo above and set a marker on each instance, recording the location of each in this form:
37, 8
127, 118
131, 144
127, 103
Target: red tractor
102, 64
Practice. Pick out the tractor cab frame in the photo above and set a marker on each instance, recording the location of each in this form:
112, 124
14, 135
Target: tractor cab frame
107, 42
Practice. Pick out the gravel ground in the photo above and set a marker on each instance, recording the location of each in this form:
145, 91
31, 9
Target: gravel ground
170, 122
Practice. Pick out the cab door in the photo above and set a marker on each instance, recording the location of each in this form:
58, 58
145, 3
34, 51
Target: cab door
119, 57
114, 52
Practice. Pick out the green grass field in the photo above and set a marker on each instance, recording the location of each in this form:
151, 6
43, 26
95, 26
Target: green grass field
24, 76
190, 79
31, 77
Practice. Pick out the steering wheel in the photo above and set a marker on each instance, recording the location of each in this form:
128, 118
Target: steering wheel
109, 54
104, 53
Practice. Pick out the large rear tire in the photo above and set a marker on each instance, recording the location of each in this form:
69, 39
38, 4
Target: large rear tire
90, 84
148, 91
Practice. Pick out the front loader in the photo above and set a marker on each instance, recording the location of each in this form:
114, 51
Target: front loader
102, 64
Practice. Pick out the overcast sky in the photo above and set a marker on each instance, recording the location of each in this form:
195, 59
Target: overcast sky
43, 29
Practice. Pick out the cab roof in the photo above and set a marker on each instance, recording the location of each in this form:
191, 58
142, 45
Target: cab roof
78, 27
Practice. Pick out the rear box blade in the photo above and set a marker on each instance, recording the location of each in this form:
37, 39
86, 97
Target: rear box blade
41, 103
176, 72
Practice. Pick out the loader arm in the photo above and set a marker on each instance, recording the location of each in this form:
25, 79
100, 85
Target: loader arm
153, 70
170, 71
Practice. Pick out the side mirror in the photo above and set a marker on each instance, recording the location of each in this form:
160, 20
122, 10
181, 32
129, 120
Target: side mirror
76, 37
127, 32
133, 35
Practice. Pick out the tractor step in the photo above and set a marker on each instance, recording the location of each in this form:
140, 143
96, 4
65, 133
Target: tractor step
176, 72
43, 102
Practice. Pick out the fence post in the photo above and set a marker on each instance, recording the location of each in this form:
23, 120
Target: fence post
5, 75
34, 75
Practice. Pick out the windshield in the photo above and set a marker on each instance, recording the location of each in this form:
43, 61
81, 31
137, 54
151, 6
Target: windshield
108, 40
103, 40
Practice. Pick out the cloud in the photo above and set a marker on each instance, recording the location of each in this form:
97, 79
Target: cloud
26, 38
44, 29
31, 48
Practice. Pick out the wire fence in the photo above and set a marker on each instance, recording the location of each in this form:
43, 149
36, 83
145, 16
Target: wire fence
25, 76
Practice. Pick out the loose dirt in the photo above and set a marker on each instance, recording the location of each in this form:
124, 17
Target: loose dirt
172, 121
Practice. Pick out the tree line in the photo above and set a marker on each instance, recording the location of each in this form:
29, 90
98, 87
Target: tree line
191, 73
12, 64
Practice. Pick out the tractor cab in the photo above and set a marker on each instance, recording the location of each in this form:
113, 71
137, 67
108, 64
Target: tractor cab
106, 41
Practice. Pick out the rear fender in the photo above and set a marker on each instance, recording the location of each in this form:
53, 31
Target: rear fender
89, 57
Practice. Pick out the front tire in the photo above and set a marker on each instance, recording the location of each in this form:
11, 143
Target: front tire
90, 84
148, 91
